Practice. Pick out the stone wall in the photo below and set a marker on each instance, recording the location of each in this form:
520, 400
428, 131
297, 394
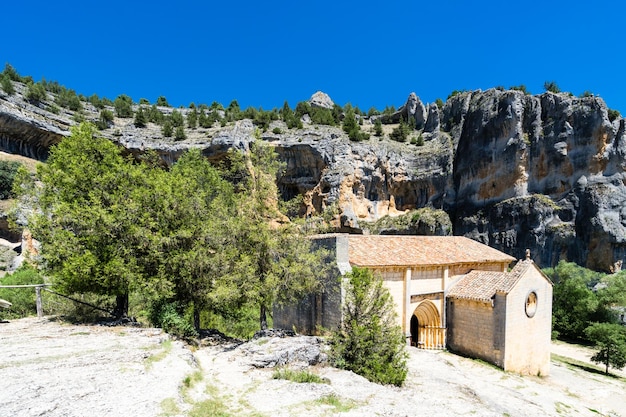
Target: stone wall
472, 328
528, 338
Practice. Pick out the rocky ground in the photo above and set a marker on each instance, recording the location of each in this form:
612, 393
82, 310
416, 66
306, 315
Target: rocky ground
50, 368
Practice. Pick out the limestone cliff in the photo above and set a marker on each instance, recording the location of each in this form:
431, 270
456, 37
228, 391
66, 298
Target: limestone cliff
512, 170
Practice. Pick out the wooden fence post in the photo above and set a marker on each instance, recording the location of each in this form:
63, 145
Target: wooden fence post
39, 305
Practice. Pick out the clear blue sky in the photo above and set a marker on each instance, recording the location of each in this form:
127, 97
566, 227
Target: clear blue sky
367, 53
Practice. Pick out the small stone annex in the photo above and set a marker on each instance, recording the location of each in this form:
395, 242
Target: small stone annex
449, 292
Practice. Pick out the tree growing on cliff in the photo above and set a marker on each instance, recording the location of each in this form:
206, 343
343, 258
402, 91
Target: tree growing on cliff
369, 342
123, 106
610, 342
7, 85
551, 86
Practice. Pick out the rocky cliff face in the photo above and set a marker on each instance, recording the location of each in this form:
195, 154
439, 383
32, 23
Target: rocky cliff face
512, 170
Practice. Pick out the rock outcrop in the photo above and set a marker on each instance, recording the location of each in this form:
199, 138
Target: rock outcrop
512, 170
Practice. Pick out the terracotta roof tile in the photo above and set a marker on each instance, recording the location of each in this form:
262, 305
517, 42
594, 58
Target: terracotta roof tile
483, 285
386, 250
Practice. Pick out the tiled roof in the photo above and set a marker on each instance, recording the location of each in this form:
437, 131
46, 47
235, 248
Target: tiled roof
385, 250
483, 285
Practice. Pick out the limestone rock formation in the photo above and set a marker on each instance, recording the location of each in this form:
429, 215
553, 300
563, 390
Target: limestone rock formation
321, 99
514, 171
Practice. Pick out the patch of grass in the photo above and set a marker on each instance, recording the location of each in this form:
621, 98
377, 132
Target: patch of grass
166, 348
340, 405
212, 407
169, 407
575, 364
190, 380
299, 376
80, 334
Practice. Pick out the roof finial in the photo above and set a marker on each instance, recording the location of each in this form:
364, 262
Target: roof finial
528, 254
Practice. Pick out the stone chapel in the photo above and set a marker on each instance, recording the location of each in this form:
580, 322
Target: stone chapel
450, 292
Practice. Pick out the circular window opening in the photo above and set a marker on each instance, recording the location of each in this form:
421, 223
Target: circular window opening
531, 304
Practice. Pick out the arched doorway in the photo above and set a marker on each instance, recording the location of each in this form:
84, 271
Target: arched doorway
426, 329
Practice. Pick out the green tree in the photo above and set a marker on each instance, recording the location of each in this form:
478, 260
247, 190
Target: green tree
8, 170
179, 133
7, 85
575, 305
140, 118
123, 106
277, 264
167, 128
96, 101
400, 133
154, 115
610, 340
85, 216
551, 86
191, 234
106, 119
352, 128
11, 72
378, 128
233, 111
68, 99
192, 118
162, 101
368, 341
177, 118
35, 93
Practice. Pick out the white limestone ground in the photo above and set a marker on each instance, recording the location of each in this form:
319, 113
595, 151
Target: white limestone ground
53, 369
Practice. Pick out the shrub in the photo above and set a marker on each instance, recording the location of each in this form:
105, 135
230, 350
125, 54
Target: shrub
277, 131
177, 119
69, 99
11, 72
192, 119
369, 342
551, 86
162, 101
179, 133
123, 106
23, 299
36, 93
7, 85
167, 128
520, 87
400, 133
613, 114
140, 118
169, 317
378, 128
106, 119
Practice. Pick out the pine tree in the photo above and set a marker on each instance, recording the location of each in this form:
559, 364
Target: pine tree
368, 341
7, 85
140, 118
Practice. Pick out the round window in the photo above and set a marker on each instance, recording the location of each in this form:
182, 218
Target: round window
531, 304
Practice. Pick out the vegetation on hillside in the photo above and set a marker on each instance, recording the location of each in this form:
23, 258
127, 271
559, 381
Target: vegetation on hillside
587, 307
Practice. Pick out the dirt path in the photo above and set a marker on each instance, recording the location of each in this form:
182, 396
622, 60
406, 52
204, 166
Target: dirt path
52, 369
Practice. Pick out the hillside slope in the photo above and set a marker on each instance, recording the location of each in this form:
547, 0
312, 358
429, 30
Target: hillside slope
512, 170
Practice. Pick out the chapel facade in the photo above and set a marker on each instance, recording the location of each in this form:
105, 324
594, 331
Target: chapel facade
449, 292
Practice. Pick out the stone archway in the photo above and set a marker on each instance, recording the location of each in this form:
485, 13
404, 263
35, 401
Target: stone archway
426, 329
